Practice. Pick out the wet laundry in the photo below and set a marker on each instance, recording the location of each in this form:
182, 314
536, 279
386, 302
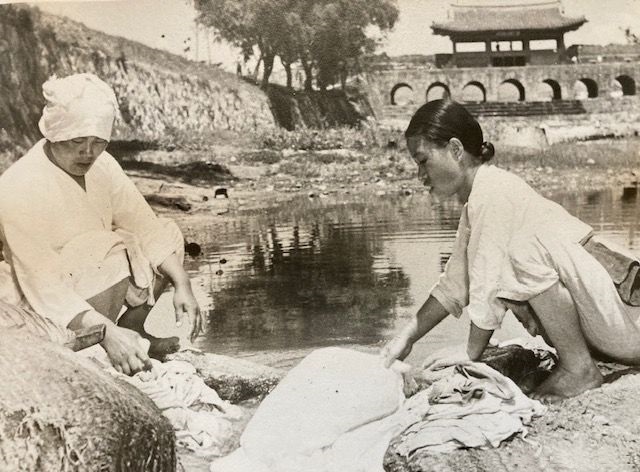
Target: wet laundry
339, 409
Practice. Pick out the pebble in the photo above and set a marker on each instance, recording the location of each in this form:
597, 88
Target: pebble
601, 420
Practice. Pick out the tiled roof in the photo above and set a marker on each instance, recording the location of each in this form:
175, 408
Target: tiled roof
544, 15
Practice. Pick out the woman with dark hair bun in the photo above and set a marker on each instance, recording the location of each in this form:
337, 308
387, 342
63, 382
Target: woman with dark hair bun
516, 250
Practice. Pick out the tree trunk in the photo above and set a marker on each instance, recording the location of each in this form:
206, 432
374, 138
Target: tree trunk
267, 60
257, 68
287, 69
308, 75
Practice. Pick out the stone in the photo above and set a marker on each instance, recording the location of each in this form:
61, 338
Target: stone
235, 380
60, 411
177, 202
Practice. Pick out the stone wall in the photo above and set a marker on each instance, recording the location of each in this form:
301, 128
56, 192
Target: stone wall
161, 95
604, 117
566, 82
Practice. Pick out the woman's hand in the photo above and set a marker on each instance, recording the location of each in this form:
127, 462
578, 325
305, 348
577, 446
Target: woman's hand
396, 349
447, 357
125, 350
186, 304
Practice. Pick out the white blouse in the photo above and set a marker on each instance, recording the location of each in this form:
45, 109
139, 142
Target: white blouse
503, 216
42, 210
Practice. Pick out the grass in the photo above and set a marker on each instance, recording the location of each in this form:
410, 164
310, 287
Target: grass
601, 154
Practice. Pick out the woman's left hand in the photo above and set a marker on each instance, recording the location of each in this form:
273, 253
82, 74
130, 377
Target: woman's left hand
447, 357
186, 304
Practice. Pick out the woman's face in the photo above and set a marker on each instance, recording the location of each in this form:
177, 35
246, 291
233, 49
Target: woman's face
438, 168
76, 156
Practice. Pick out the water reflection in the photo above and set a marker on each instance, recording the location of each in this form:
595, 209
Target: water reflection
315, 274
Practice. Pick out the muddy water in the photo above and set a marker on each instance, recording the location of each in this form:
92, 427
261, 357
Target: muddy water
327, 272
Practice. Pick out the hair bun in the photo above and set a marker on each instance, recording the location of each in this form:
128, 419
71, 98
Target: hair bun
487, 151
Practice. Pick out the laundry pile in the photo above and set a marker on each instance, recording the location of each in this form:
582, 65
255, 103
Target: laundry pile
202, 420
471, 405
339, 409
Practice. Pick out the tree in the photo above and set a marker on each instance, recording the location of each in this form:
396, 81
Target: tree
327, 37
342, 35
246, 24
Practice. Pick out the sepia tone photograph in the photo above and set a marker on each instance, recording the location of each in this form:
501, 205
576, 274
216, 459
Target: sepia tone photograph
347, 235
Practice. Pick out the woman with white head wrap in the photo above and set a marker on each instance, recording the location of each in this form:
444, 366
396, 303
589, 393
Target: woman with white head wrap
79, 240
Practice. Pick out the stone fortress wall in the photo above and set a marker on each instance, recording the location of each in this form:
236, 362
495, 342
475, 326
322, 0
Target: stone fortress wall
606, 93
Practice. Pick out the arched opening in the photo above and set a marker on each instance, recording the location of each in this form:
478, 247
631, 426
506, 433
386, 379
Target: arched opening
554, 91
474, 91
511, 90
627, 84
402, 94
436, 91
585, 88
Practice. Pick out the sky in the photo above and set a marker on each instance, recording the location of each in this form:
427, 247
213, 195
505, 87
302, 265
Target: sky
169, 24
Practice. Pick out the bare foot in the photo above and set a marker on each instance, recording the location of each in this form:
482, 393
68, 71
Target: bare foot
563, 383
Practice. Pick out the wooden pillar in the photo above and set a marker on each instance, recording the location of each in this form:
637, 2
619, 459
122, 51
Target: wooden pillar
455, 51
488, 54
526, 48
562, 52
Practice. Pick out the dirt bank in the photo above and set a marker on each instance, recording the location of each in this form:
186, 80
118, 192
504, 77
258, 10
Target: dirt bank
260, 179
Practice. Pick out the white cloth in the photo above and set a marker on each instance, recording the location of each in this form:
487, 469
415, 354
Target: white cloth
50, 227
338, 411
79, 105
202, 420
330, 392
501, 219
471, 405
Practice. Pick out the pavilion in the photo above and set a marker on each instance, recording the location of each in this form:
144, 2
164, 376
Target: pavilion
506, 34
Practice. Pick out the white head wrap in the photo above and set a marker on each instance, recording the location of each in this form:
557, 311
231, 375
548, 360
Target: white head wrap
77, 106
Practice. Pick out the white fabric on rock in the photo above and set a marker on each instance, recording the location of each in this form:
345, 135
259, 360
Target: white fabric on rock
51, 228
471, 405
304, 426
202, 420
76, 106
329, 393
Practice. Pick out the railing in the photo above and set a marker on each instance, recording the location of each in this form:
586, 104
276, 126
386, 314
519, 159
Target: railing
538, 57
555, 107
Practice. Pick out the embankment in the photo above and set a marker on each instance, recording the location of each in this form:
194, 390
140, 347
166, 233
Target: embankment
160, 95
298, 109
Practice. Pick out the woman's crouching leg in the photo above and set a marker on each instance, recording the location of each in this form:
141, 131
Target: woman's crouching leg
135, 317
576, 371
110, 301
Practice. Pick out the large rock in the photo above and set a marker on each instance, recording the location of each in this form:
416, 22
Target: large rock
59, 412
235, 380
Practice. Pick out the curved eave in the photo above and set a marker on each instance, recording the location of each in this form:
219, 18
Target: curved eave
444, 29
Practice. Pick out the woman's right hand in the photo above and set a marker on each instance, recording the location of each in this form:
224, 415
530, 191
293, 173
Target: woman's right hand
125, 350
396, 349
